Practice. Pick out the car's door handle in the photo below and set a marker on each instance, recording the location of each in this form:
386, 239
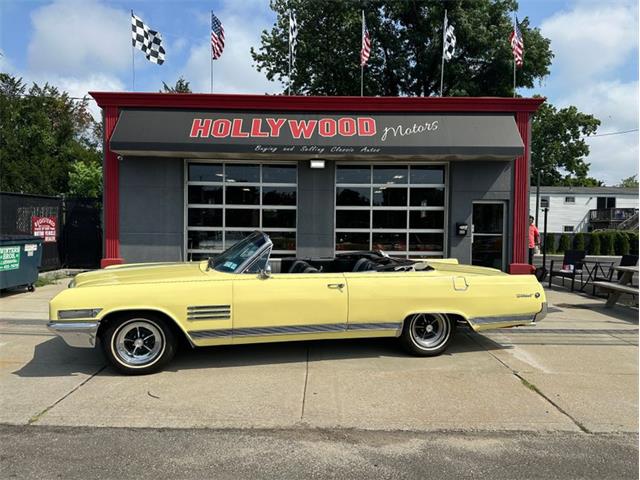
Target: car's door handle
339, 286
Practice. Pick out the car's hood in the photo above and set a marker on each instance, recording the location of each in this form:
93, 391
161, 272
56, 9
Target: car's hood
142, 273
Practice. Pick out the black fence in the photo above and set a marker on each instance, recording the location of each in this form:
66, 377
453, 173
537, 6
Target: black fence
71, 228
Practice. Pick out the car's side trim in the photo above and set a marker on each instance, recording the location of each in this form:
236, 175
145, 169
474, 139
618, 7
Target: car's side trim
502, 319
209, 312
291, 330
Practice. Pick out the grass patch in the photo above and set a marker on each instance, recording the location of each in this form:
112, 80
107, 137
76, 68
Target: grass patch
44, 280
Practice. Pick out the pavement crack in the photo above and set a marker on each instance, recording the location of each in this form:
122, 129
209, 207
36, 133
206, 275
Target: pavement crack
39, 415
304, 391
535, 389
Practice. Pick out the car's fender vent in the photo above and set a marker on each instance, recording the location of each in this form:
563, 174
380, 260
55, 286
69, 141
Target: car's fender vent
209, 312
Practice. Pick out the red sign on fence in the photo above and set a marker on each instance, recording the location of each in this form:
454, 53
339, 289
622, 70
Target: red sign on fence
44, 227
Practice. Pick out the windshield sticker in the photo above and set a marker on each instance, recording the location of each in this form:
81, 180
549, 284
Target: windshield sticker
230, 265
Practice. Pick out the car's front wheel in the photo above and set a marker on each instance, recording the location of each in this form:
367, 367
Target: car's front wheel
138, 344
427, 334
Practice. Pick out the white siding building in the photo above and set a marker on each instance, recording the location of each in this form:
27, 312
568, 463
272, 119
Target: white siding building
584, 209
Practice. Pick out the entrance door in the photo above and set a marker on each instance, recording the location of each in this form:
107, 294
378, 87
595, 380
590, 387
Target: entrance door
488, 239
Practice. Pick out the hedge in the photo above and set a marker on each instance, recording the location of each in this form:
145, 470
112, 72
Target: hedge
564, 243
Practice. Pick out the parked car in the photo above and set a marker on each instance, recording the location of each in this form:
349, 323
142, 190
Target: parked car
138, 312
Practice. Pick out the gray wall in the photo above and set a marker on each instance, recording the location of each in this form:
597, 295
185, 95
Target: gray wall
477, 180
151, 209
315, 210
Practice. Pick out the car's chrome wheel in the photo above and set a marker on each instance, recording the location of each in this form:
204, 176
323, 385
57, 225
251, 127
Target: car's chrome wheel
138, 342
427, 333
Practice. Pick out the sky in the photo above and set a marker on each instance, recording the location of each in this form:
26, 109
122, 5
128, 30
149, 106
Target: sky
85, 45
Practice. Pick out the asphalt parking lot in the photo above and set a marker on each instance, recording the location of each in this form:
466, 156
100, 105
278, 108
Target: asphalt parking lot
575, 375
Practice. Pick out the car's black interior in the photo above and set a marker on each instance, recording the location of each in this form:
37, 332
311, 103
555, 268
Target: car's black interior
347, 262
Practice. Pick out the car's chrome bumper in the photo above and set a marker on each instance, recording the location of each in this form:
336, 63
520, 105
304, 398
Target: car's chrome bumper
76, 334
542, 313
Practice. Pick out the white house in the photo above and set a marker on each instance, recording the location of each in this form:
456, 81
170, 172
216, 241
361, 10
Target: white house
584, 209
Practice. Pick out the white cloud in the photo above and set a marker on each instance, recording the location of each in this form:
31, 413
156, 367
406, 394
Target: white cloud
592, 39
78, 37
233, 72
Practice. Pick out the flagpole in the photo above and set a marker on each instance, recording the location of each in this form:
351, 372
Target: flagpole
444, 33
289, 85
133, 64
514, 58
361, 62
211, 55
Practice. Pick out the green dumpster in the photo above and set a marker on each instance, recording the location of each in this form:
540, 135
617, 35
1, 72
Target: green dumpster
20, 257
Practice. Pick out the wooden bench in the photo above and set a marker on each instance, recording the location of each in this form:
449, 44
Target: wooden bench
616, 289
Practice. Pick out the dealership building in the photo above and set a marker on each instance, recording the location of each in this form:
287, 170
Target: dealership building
188, 175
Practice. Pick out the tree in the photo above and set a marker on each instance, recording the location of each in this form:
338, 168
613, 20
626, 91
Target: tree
181, 86
85, 180
629, 182
406, 49
43, 132
564, 243
558, 149
594, 246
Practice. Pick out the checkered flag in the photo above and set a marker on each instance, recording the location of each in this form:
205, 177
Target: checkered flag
293, 37
449, 45
147, 40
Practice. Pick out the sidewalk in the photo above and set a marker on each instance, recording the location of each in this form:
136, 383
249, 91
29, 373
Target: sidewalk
575, 371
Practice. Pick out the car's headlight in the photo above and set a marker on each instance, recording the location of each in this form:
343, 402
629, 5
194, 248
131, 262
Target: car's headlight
81, 313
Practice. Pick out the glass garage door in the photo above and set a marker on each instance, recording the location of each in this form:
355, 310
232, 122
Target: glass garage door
227, 201
396, 208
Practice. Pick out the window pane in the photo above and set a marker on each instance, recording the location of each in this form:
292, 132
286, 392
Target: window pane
427, 197
279, 173
205, 194
352, 241
283, 240
389, 241
389, 197
278, 195
427, 174
205, 172
243, 195
353, 174
389, 219
426, 219
204, 240
353, 196
352, 219
236, 217
242, 173
487, 217
426, 242
232, 238
279, 218
205, 217
390, 174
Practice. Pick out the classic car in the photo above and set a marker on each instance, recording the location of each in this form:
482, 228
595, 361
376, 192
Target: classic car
139, 312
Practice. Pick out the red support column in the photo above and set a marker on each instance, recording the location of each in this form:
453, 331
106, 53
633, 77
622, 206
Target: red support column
521, 191
111, 175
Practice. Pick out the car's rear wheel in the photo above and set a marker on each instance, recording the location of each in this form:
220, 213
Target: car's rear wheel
427, 334
139, 344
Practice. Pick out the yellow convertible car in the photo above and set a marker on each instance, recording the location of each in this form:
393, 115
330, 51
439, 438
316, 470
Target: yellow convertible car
139, 312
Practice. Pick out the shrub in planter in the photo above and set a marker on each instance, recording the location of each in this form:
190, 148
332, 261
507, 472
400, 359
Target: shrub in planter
594, 245
622, 243
550, 241
608, 243
565, 243
579, 241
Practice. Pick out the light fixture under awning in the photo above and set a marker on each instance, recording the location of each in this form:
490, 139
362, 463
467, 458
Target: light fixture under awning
188, 133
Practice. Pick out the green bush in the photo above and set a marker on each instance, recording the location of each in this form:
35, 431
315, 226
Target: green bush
579, 241
564, 243
550, 241
633, 242
594, 245
608, 243
622, 243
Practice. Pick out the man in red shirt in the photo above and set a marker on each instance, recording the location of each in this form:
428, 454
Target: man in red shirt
534, 239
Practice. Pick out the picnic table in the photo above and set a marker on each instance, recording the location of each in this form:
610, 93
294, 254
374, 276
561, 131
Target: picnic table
623, 285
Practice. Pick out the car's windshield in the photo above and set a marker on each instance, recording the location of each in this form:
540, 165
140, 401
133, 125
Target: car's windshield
231, 259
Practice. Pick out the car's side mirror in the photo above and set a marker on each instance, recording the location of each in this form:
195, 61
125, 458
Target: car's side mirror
265, 272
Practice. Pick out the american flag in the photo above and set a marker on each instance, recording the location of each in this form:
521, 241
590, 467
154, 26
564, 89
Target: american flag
217, 37
517, 44
365, 52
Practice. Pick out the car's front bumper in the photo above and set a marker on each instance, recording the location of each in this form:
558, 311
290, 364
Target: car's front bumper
76, 334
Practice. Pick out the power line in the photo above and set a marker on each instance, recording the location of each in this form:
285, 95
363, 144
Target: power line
613, 133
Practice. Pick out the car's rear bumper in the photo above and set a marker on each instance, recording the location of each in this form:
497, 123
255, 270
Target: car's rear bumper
76, 334
541, 315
